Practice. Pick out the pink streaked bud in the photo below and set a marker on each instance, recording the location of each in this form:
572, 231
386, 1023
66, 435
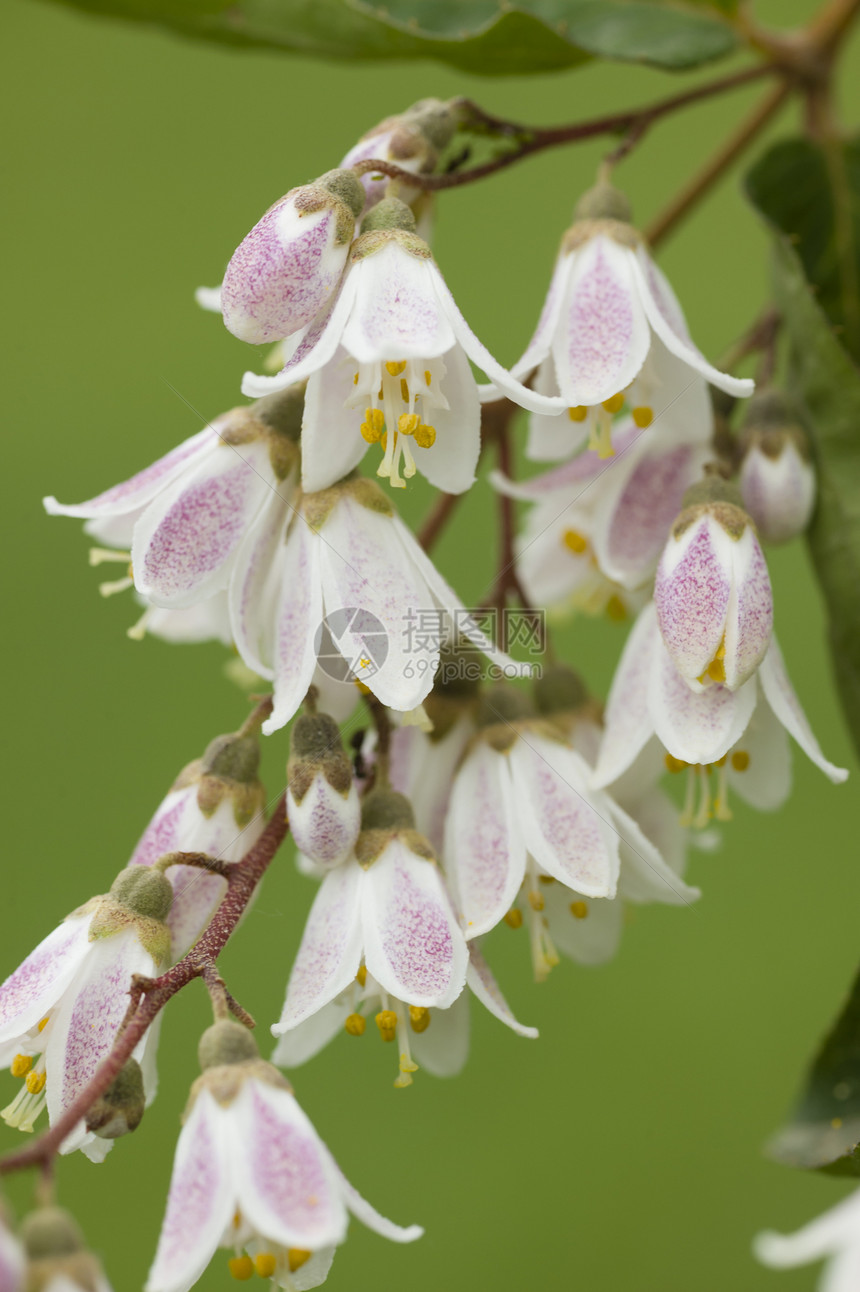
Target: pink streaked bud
286, 268
777, 482
322, 800
713, 595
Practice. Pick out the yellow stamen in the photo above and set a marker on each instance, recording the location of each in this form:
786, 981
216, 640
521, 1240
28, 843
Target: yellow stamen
408, 423
21, 1065
361, 976
616, 609
241, 1267
428, 376
419, 1018
404, 390
355, 1024
536, 901
574, 541
740, 760
614, 404
674, 764
716, 670
579, 910
386, 1021
425, 436
395, 369
578, 414
514, 918
44, 1023
297, 1257
265, 1264
35, 1082
643, 416
355, 380
546, 879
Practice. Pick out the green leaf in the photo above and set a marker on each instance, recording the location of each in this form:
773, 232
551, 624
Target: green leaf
824, 1132
493, 37
811, 192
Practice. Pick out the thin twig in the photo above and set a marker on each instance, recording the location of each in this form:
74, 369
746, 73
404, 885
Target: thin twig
437, 519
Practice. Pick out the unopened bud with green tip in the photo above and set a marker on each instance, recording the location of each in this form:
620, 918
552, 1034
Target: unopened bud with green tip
777, 478
283, 272
322, 800
387, 815
501, 707
229, 1056
412, 140
120, 1109
456, 690
604, 202
58, 1258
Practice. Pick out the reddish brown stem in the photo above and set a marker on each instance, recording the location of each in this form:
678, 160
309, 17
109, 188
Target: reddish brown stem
153, 994
440, 514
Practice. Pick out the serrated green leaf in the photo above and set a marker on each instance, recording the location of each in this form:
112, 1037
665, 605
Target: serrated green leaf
493, 37
812, 193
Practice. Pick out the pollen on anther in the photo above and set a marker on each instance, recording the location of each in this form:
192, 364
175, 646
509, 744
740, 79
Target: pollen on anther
35, 1082
265, 1264
297, 1257
643, 416
419, 1018
404, 390
21, 1065
44, 1022
408, 423
616, 609
674, 764
579, 910
361, 975
355, 380
241, 1267
740, 760
395, 369
428, 376
425, 436
578, 414
355, 1024
614, 404
574, 541
536, 900
386, 1021
514, 918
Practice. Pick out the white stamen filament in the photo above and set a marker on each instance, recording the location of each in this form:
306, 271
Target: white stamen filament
24, 1109
137, 631
407, 1063
99, 555
118, 585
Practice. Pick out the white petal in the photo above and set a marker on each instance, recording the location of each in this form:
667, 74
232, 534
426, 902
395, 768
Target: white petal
481, 981
590, 939
442, 1049
368, 1215
413, 945
831, 1232
665, 317
256, 582
185, 539
330, 951
696, 726
552, 435
566, 826
287, 1185
423, 770
780, 695
303, 1042
451, 461
208, 620
208, 298
603, 335
36, 985
749, 623
332, 443
13, 1262
765, 782
628, 722
779, 493
539, 346
313, 347
200, 1202
484, 851
645, 876
397, 313
299, 612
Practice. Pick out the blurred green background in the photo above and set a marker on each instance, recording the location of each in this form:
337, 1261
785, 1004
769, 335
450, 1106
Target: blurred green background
622, 1150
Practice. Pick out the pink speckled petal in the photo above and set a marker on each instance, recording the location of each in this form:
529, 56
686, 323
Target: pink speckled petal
397, 312
541, 343
692, 593
283, 272
288, 1188
325, 824
628, 722
134, 494
38, 983
184, 541
312, 347
413, 945
299, 610
566, 826
85, 1025
749, 623
564, 483
779, 493
201, 1200
332, 443
484, 851
665, 316
482, 983
603, 336
330, 951
781, 697
257, 578
696, 726
368, 1215
13, 1262
424, 771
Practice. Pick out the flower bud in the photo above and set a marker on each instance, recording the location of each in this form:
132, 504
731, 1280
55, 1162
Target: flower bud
322, 801
285, 269
777, 479
57, 1254
120, 1109
226, 1042
712, 593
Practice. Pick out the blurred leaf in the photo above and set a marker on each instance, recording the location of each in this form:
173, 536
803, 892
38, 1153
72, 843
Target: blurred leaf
824, 1132
492, 37
812, 193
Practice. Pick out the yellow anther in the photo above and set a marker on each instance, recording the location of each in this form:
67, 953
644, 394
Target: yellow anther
546, 879
379, 394
614, 404
35, 1082
361, 976
536, 901
716, 670
574, 541
404, 390
408, 423
265, 1264
579, 910
721, 762
395, 369
616, 609
419, 1018
383, 440
674, 764
740, 760
21, 1065
578, 414
241, 1267
425, 436
376, 417
355, 1024
514, 918
371, 435
297, 1257
355, 380
428, 376
643, 416
44, 1023
386, 1021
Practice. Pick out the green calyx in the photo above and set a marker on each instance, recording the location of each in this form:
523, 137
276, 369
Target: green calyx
560, 689
503, 703
385, 809
232, 758
346, 186
314, 736
226, 1043
143, 891
51, 1232
771, 424
282, 411
713, 489
603, 202
435, 119
120, 1109
390, 213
